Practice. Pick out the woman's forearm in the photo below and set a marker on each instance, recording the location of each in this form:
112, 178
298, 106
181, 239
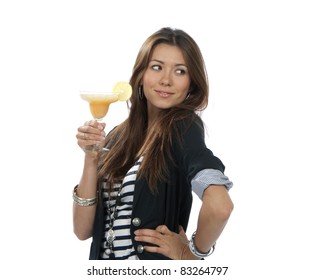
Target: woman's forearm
83, 216
213, 216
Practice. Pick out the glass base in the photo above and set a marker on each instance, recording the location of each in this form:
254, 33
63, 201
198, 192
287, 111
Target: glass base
94, 148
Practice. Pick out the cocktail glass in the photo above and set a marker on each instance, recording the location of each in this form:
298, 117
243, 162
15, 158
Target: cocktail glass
99, 101
99, 104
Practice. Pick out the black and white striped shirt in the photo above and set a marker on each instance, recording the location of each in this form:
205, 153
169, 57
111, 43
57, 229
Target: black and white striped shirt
122, 246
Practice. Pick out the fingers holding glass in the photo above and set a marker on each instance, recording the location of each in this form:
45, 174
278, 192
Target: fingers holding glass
91, 136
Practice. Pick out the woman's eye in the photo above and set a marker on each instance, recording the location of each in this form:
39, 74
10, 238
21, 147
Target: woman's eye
156, 67
180, 71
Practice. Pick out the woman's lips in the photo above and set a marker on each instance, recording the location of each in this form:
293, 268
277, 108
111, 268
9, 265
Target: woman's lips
163, 93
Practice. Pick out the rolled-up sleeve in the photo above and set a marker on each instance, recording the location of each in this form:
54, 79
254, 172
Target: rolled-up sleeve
207, 177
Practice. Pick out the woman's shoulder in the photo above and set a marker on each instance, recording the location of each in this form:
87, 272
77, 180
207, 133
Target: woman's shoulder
192, 124
189, 134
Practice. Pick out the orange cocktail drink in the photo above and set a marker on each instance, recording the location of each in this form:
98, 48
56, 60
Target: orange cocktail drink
99, 103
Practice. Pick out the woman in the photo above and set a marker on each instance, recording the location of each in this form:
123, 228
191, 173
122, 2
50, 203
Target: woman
135, 196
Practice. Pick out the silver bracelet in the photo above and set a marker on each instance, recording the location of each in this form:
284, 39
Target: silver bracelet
82, 201
194, 250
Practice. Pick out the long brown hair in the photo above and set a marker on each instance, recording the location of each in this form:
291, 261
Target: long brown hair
133, 137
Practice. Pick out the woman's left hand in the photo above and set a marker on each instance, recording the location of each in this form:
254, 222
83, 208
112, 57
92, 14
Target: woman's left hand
168, 243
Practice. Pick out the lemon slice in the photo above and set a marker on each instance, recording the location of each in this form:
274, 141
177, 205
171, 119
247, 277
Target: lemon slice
123, 89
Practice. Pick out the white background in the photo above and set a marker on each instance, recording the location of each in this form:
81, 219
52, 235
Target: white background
260, 60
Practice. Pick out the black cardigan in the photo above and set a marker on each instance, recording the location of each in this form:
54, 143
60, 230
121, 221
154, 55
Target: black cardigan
172, 205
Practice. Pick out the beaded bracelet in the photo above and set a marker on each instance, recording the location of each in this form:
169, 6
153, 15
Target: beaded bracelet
82, 201
194, 250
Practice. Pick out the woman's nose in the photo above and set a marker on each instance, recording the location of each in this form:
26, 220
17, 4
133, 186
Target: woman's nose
165, 79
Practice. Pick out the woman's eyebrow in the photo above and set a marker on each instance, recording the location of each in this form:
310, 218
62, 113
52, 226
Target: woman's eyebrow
160, 61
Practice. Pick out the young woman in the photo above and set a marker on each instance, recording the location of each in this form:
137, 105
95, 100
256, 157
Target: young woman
135, 196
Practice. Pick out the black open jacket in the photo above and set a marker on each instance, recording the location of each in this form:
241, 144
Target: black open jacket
171, 206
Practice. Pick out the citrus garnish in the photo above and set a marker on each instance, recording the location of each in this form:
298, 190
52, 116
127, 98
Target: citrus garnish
123, 89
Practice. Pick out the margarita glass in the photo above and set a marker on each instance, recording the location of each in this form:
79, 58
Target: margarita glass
99, 101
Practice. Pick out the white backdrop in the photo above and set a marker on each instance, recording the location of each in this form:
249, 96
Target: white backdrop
260, 60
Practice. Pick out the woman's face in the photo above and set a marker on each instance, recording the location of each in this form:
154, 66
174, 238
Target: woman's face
166, 80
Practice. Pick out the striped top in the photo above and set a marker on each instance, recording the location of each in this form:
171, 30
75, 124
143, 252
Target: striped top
122, 246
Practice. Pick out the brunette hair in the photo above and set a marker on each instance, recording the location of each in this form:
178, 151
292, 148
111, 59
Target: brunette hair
133, 138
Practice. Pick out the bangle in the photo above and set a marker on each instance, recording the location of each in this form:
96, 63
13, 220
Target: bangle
82, 201
194, 250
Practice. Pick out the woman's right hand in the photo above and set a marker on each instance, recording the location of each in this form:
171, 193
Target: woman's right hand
90, 134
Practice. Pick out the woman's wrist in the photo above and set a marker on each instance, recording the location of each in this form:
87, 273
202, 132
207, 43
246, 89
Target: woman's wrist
188, 255
92, 156
195, 250
83, 201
